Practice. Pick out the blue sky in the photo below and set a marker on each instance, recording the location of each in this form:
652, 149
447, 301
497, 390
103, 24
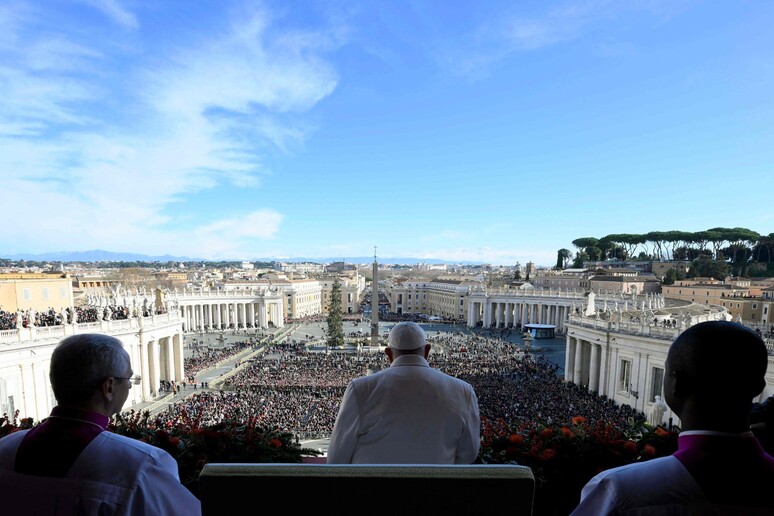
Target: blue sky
495, 131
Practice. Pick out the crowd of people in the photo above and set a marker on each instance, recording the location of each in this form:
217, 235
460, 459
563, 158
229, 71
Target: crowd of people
80, 314
297, 390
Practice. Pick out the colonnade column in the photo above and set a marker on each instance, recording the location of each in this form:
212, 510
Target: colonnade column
145, 371
170, 358
153, 347
251, 314
179, 354
594, 369
569, 359
578, 366
211, 307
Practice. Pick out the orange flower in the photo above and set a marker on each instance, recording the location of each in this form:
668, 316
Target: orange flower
516, 438
548, 454
577, 420
174, 441
630, 446
547, 432
276, 443
649, 450
661, 432
567, 432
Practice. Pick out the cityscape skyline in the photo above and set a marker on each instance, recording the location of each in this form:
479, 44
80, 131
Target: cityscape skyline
494, 133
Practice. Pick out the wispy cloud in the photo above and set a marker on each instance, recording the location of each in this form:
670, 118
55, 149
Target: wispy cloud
505, 31
113, 10
103, 165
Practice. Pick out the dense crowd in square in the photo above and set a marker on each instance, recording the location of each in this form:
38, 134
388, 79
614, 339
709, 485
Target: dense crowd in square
297, 390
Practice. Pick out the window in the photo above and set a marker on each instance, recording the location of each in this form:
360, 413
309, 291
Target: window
625, 376
45, 292
26, 294
62, 293
656, 383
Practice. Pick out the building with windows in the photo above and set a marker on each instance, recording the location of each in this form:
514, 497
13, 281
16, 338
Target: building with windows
625, 282
442, 298
303, 298
660, 269
36, 291
353, 287
300, 268
562, 279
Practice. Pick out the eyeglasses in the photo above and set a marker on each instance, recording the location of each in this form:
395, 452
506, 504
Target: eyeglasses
136, 379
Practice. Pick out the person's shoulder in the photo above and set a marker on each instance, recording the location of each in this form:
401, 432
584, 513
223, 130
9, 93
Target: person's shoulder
638, 473
135, 446
12, 438
8, 446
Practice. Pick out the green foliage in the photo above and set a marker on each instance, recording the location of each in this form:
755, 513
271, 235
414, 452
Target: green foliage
562, 257
335, 329
740, 247
704, 266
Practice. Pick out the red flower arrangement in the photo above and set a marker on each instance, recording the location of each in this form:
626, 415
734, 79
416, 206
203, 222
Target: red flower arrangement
193, 445
564, 457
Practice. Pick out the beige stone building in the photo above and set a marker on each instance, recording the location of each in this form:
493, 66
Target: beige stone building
704, 291
567, 279
625, 283
441, 298
660, 269
36, 291
352, 289
303, 298
744, 299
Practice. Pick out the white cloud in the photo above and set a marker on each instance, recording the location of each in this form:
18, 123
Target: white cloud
113, 10
505, 32
105, 161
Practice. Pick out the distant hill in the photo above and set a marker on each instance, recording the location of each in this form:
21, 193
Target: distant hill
98, 255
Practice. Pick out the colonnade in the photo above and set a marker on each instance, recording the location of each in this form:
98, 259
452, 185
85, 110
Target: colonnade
215, 309
585, 362
510, 312
154, 345
210, 314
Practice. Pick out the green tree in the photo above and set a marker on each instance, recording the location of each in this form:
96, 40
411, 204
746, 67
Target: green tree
335, 329
705, 266
562, 257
